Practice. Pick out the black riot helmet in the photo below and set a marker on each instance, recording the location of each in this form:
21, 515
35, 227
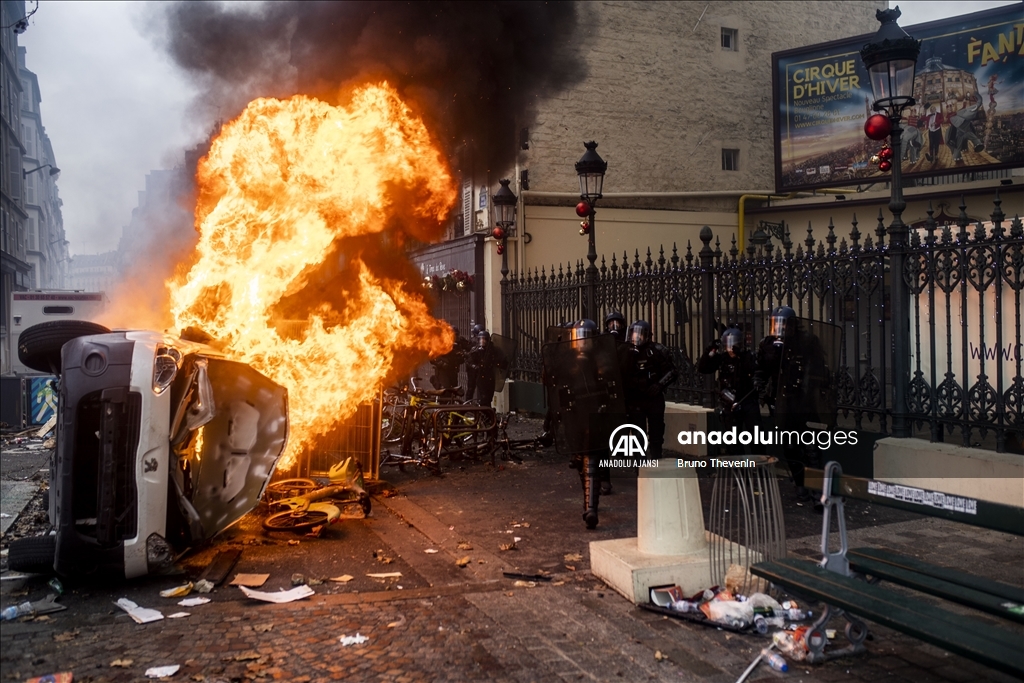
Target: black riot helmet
583, 329
639, 334
782, 324
615, 325
476, 330
732, 341
483, 339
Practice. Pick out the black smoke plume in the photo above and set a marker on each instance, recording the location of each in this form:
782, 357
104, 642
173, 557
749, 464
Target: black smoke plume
472, 69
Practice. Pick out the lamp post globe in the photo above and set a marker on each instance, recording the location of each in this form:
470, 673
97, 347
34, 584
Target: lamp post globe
504, 202
891, 61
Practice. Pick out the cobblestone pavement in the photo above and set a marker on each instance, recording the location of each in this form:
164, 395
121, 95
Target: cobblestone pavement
442, 622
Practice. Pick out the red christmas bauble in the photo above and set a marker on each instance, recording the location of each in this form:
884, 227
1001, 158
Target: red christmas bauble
585, 230
885, 154
582, 209
878, 127
884, 166
498, 233
501, 249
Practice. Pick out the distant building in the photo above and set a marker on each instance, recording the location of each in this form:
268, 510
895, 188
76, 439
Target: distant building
94, 272
45, 244
15, 270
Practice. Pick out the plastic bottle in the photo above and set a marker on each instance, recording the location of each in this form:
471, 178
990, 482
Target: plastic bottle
796, 614
685, 606
11, 613
760, 623
775, 661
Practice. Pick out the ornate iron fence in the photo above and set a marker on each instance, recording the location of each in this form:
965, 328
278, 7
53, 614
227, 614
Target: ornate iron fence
962, 323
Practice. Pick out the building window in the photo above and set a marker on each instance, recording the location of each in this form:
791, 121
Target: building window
730, 39
730, 160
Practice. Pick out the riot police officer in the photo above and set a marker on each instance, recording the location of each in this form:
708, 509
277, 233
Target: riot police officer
792, 377
471, 372
485, 359
735, 365
446, 367
584, 388
615, 325
647, 371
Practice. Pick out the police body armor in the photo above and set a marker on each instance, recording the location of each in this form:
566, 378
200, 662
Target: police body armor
584, 390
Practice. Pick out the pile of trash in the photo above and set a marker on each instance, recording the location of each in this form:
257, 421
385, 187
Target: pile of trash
757, 612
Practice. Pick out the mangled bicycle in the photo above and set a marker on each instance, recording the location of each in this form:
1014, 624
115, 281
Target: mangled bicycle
301, 505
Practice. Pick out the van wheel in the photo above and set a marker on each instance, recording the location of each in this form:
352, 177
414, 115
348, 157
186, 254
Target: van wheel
39, 346
34, 555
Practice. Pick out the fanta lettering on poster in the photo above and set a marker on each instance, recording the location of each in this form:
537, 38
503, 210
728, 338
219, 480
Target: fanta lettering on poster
969, 114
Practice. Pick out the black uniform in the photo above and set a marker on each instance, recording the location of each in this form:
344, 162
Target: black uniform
738, 399
647, 370
484, 360
792, 368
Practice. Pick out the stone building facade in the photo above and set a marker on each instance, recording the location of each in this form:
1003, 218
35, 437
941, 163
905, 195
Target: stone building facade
46, 246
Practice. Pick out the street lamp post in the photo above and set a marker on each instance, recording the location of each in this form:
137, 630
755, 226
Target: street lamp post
591, 169
504, 202
54, 171
891, 61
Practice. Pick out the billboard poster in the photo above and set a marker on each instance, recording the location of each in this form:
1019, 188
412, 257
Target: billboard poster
969, 115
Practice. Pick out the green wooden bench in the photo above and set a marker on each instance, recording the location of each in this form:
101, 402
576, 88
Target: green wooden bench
848, 581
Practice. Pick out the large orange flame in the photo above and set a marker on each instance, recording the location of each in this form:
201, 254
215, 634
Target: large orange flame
288, 192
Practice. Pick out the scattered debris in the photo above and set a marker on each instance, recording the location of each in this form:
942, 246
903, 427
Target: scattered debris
141, 615
386, 575
220, 567
558, 583
573, 557
204, 586
517, 575
464, 546
660, 657
48, 427
526, 525
122, 663
262, 628
344, 578
570, 567
247, 656
179, 615
193, 602
400, 622
178, 592
508, 546
298, 580
314, 582
162, 671
462, 561
381, 557
62, 677
294, 541
250, 580
357, 639
430, 551
297, 593
525, 584
50, 443
66, 636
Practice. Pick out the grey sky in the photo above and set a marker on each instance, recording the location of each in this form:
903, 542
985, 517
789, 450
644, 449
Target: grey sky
116, 108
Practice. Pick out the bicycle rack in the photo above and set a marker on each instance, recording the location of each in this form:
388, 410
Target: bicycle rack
487, 424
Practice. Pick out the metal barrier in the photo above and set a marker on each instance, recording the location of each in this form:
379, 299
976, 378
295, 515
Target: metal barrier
357, 437
963, 284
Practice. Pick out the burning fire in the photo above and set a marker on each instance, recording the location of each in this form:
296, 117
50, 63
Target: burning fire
298, 203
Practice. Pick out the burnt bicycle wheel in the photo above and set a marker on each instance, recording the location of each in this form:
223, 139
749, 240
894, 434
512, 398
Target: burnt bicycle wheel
295, 520
288, 488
